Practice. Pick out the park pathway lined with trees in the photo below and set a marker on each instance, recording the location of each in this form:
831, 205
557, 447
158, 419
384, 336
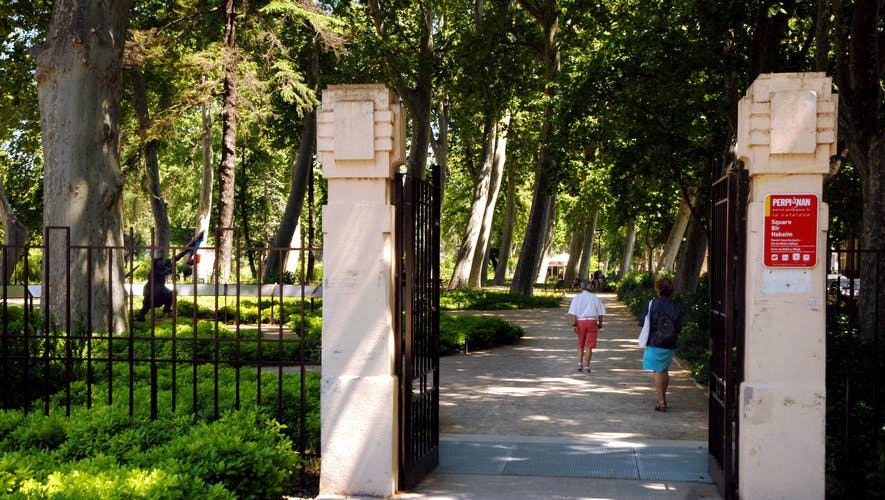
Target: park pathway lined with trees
533, 389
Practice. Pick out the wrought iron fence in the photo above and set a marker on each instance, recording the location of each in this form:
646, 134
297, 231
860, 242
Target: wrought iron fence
855, 373
185, 346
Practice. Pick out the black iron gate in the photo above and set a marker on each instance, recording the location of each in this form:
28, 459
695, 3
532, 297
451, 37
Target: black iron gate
417, 360
727, 285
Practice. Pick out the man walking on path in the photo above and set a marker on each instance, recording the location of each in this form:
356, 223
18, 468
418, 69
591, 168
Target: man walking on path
586, 312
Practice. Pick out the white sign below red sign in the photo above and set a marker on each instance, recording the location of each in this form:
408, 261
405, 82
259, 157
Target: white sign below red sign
790, 230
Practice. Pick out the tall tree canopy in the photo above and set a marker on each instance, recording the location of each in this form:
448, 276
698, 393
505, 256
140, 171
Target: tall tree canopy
560, 125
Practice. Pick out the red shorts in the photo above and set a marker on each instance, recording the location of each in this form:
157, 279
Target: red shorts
587, 333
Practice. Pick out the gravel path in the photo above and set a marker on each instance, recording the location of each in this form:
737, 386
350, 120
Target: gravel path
533, 389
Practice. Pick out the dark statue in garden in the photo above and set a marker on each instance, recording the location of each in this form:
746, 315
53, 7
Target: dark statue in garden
155, 292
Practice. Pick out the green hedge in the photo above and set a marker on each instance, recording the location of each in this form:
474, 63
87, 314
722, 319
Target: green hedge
248, 311
464, 333
22, 380
493, 300
287, 410
636, 289
105, 453
102, 452
199, 344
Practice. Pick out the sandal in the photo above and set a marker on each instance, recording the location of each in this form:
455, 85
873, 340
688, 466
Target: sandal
662, 407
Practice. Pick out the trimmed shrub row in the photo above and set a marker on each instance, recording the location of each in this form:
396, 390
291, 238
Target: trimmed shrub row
463, 333
270, 311
103, 452
492, 300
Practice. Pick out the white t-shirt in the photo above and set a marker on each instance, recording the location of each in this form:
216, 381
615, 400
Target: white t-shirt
585, 305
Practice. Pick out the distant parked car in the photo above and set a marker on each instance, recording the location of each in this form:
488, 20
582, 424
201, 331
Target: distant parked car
841, 286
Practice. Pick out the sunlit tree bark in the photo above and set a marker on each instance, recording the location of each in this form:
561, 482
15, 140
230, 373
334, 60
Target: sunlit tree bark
506, 233
478, 270
587, 247
674, 240
627, 258
227, 169
546, 13
79, 85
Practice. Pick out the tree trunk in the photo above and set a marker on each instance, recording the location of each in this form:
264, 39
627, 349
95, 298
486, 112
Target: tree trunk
649, 251
461, 274
241, 196
628, 249
543, 199
548, 240
574, 253
441, 144
151, 162
484, 265
204, 211
821, 37
418, 103
15, 235
688, 271
858, 77
506, 233
478, 272
299, 179
587, 248
311, 229
418, 100
79, 86
227, 169
677, 232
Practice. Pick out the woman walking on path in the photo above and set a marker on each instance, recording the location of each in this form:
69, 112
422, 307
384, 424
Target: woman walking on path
586, 311
665, 320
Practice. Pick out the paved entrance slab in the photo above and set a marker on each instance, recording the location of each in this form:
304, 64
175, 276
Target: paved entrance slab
520, 421
566, 457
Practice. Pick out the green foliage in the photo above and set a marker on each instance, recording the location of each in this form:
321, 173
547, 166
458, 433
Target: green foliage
247, 454
23, 381
636, 289
209, 341
105, 453
844, 195
41, 432
463, 333
491, 300
694, 339
248, 310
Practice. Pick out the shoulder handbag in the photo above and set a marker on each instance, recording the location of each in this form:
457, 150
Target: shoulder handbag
646, 328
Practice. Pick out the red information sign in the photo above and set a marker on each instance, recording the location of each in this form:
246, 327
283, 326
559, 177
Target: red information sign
790, 230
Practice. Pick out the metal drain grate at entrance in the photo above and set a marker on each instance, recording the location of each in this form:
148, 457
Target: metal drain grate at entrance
661, 463
673, 464
571, 461
464, 457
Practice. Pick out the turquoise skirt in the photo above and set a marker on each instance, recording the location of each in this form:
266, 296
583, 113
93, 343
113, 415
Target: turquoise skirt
657, 359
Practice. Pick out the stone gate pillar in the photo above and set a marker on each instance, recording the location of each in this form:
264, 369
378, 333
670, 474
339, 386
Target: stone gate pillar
360, 141
786, 135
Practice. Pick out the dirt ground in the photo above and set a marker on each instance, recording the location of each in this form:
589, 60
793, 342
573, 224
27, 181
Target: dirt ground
534, 389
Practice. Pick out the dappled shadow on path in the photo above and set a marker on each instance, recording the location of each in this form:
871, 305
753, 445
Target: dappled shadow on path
533, 388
